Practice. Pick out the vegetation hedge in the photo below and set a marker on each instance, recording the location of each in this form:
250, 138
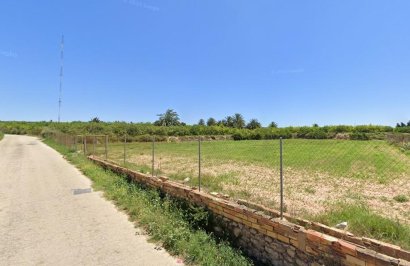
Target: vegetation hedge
144, 131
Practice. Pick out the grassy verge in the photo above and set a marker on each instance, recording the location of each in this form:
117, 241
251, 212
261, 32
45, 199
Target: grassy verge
165, 220
362, 221
1, 135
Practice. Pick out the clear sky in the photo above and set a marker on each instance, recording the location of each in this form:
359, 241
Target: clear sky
293, 62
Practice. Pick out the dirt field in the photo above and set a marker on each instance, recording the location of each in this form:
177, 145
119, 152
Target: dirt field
306, 193
372, 173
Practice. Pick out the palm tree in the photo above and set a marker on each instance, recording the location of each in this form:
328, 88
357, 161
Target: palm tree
211, 122
169, 118
229, 121
238, 121
95, 120
253, 124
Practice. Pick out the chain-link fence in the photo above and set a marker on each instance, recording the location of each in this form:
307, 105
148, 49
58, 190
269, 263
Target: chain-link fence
315, 172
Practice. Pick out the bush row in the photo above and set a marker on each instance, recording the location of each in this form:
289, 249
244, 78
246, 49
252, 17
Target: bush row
144, 131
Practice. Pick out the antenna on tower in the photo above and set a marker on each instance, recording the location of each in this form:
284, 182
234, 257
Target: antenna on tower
61, 77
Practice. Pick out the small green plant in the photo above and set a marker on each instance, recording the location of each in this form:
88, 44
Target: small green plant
384, 199
354, 195
241, 194
401, 198
310, 190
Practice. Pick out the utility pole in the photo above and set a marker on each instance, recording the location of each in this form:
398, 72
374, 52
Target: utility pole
61, 78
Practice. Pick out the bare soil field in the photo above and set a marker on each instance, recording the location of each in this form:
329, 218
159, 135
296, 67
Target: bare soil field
306, 193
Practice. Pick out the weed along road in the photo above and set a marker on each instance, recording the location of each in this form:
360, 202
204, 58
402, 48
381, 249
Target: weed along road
49, 215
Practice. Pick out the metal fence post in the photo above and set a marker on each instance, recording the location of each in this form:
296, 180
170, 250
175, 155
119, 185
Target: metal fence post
106, 147
281, 177
199, 163
125, 149
94, 141
85, 145
153, 155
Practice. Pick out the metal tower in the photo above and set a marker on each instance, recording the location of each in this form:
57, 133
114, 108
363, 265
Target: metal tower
61, 77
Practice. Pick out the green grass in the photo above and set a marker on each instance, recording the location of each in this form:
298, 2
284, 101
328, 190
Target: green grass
401, 198
310, 190
362, 221
371, 160
1, 135
166, 220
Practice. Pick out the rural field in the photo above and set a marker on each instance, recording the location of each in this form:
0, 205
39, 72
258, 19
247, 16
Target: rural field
205, 133
319, 174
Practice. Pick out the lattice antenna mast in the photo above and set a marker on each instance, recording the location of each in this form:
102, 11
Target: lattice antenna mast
61, 77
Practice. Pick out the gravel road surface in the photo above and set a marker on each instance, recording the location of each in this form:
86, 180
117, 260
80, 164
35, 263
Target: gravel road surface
45, 221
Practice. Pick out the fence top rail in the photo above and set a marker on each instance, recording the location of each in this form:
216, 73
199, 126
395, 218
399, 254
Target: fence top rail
89, 135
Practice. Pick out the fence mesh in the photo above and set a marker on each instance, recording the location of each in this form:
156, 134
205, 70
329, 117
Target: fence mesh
316, 172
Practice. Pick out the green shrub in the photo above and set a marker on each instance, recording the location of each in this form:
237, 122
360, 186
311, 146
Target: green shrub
144, 138
317, 134
359, 136
402, 130
401, 198
48, 132
147, 129
255, 136
239, 136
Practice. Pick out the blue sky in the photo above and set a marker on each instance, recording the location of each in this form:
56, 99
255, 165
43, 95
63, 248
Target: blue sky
293, 62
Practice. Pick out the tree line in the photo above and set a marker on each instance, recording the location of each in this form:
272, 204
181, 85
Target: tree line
169, 124
402, 124
171, 118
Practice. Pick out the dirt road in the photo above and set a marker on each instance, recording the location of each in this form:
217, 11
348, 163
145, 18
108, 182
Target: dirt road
43, 222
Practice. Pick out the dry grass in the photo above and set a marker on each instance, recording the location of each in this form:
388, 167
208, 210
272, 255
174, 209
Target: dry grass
362, 182
307, 193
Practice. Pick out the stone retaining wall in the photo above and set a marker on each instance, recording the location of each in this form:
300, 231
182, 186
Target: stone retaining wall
263, 236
